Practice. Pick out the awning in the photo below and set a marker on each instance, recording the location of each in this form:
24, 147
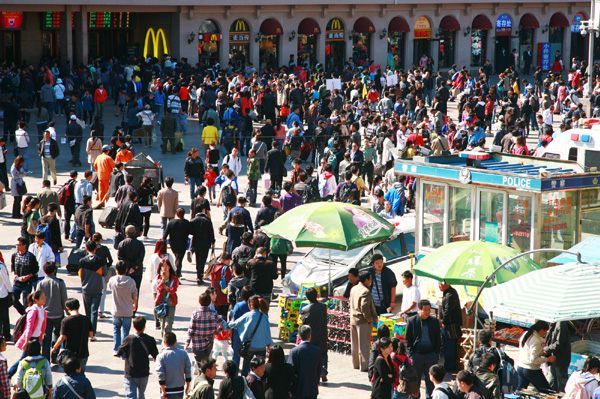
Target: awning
449, 23
309, 26
481, 22
398, 24
588, 248
364, 25
271, 27
529, 21
558, 20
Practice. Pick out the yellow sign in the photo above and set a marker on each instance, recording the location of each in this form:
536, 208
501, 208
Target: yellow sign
422, 29
336, 24
240, 26
155, 42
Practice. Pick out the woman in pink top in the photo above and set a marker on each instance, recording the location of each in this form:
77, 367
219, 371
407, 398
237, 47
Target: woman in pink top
34, 327
280, 131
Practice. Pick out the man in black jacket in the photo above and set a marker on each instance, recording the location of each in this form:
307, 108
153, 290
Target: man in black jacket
70, 204
423, 342
92, 269
262, 272
129, 214
315, 316
203, 239
275, 166
559, 345
117, 179
132, 251
269, 102
177, 232
451, 318
84, 219
74, 137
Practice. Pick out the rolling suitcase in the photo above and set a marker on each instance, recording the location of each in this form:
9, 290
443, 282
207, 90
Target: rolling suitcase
108, 217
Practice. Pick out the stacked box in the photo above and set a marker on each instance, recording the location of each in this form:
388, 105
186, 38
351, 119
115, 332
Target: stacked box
305, 286
289, 307
399, 329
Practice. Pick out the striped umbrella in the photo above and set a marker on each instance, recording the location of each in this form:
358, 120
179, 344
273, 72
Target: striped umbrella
566, 292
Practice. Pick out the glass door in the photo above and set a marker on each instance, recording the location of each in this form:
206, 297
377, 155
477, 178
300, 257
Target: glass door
491, 212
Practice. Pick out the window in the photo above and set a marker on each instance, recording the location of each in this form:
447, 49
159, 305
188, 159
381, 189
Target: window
391, 249
491, 210
409, 240
592, 158
559, 213
573, 154
520, 208
434, 208
459, 223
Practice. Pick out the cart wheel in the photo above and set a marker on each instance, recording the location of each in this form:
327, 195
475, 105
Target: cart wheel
593, 326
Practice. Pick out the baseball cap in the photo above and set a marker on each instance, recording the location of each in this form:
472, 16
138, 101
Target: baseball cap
105, 147
73, 117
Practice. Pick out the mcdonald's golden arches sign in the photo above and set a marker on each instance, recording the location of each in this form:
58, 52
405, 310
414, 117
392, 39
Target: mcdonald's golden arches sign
155, 43
239, 32
335, 31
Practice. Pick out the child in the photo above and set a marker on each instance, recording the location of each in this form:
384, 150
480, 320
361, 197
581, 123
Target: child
222, 178
183, 122
213, 297
209, 179
238, 281
399, 358
221, 345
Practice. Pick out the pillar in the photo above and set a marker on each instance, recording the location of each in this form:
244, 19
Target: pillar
66, 36
81, 30
180, 34
224, 45
409, 49
379, 50
321, 46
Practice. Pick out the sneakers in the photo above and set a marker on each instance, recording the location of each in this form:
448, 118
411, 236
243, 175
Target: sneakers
93, 339
157, 324
199, 282
324, 378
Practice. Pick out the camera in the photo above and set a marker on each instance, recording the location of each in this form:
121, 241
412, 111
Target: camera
584, 31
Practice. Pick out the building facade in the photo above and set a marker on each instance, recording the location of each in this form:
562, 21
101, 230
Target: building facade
267, 35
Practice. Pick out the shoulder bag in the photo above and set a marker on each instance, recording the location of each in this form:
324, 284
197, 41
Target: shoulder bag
70, 386
162, 308
245, 347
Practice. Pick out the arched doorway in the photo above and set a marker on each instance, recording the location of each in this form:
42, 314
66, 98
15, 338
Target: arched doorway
479, 34
270, 34
361, 40
398, 28
448, 28
308, 33
527, 26
422, 39
239, 44
209, 37
335, 44
579, 44
556, 34
502, 41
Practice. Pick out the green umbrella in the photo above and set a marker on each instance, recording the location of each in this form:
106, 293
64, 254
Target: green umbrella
334, 225
470, 262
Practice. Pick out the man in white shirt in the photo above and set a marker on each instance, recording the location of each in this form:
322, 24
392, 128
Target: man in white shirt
22, 142
441, 389
410, 296
234, 161
42, 252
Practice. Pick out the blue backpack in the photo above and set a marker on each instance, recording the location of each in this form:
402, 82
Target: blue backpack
223, 283
46, 229
509, 376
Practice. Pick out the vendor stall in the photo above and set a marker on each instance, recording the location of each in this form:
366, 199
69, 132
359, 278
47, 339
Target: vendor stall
518, 201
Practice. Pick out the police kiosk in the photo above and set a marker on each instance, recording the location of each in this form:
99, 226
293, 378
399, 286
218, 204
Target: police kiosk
522, 202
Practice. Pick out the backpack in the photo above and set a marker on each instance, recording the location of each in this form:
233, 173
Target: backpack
223, 283
43, 226
33, 379
507, 373
578, 390
475, 360
408, 380
332, 159
311, 194
19, 328
449, 392
535, 104
228, 135
65, 192
345, 192
228, 195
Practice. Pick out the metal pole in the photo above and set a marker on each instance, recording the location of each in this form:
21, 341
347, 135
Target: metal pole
330, 288
533, 251
592, 32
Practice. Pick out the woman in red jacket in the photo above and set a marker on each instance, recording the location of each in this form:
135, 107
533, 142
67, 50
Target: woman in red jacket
166, 291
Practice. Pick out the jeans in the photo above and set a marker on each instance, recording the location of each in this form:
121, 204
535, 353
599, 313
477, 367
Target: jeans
49, 105
91, 302
422, 362
449, 351
533, 119
21, 290
69, 212
163, 224
24, 151
558, 378
245, 143
121, 327
135, 388
236, 343
535, 377
194, 182
51, 335
167, 322
79, 236
159, 110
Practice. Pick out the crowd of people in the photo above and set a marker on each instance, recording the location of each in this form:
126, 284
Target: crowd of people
305, 143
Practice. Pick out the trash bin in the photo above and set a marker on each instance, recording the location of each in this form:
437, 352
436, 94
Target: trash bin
143, 165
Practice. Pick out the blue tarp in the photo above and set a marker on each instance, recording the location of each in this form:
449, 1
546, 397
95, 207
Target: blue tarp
588, 248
